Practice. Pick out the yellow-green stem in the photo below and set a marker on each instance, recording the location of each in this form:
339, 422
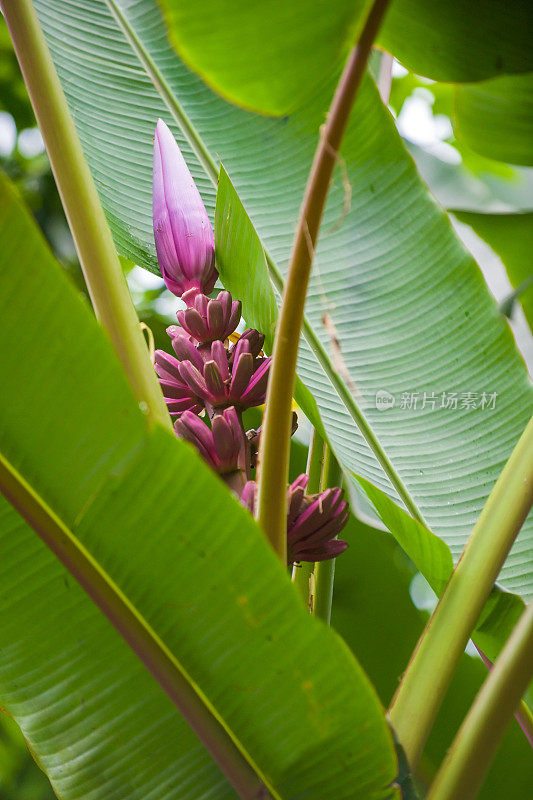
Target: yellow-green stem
523, 715
463, 771
325, 570
428, 675
94, 243
274, 455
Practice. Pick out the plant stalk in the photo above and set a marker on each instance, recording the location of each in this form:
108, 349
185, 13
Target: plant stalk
274, 456
463, 771
428, 675
325, 570
523, 715
96, 250
302, 574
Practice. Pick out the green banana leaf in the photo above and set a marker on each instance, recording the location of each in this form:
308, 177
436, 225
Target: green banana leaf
257, 54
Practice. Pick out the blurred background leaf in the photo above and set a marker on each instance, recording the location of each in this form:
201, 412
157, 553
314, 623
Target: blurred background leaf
493, 198
20, 777
450, 40
495, 118
511, 237
13, 95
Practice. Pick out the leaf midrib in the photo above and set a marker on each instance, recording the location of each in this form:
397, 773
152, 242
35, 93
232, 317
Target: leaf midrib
209, 165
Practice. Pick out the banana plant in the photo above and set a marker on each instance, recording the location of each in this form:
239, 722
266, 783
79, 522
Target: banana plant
167, 576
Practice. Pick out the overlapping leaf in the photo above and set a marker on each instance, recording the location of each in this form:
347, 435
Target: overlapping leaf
495, 118
450, 40
257, 54
407, 310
